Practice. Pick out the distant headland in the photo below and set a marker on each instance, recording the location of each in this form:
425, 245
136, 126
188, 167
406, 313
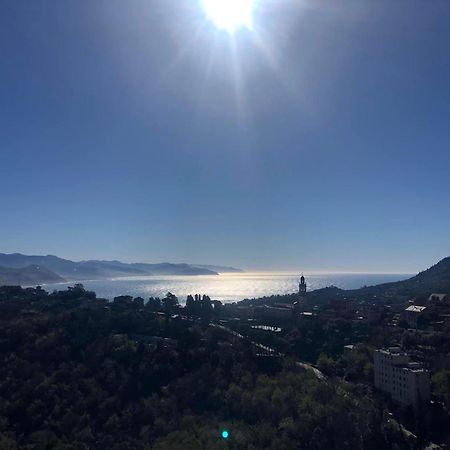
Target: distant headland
19, 269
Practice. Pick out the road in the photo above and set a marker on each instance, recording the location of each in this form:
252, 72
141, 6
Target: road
271, 351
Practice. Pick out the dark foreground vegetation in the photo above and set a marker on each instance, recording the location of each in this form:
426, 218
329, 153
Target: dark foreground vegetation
78, 372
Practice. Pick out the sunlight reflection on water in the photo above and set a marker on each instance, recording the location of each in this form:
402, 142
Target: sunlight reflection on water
228, 287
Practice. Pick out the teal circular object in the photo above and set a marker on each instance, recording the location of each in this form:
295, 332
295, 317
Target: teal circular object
225, 434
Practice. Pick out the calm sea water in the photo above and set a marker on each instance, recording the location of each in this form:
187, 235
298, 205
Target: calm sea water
227, 287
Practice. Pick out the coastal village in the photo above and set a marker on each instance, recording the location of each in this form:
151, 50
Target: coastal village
393, 349
408, 333
400, 369
401, 375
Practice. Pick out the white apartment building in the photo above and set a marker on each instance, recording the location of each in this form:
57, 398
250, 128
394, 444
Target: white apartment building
413, 314
407, 382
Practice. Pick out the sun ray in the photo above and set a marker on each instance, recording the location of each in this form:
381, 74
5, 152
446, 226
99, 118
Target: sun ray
242, 109
187, 49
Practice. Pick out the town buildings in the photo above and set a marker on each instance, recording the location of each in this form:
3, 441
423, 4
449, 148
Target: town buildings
437, 299
408, 383
413, 314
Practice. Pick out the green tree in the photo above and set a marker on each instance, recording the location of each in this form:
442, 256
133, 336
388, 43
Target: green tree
441, 386
153, 304
170, 302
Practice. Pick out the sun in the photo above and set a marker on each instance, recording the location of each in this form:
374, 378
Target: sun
230, 15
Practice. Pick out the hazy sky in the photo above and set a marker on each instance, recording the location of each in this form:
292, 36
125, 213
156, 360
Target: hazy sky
136, 130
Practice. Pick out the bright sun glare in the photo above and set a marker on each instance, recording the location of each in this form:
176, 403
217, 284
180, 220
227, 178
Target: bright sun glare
230, 14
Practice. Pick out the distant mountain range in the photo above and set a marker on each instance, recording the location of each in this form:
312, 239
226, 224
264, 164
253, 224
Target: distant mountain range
37, 269
28, 276
220, 269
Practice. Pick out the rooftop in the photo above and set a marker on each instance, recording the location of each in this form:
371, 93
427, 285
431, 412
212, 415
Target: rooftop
415, 308
439, 297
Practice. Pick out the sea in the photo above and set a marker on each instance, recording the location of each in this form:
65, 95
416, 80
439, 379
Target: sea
227, 287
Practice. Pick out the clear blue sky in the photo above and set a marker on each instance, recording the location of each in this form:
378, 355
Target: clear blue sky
136, 130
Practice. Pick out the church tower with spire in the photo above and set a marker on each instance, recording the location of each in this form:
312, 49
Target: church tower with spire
301, 305
302, 288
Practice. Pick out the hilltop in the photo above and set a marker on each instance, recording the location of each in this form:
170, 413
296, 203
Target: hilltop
434, 279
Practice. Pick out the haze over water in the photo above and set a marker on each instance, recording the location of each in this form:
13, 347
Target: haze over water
228, 287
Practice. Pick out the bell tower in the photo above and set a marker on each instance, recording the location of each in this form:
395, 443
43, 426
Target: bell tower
302, 288
300, 305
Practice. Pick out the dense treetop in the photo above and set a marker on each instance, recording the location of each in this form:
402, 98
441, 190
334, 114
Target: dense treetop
78, 372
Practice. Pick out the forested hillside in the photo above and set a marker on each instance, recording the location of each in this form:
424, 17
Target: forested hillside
79, 373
